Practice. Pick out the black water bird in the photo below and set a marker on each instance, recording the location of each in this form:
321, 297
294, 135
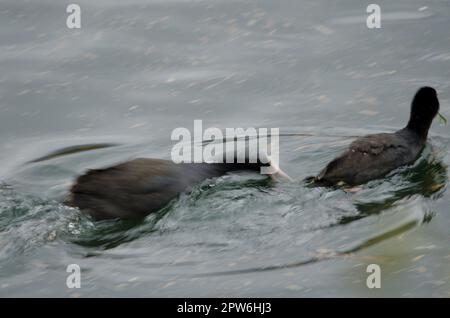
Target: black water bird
373, 156
142, 186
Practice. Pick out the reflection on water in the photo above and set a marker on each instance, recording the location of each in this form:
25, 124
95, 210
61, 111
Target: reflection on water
115, 89
70, 150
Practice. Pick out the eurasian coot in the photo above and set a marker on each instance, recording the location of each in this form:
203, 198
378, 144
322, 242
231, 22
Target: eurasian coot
373, 156
142, 186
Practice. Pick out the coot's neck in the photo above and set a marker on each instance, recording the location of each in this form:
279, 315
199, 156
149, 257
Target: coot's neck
419, 125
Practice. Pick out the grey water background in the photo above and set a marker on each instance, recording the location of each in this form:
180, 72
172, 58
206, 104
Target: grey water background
138, 69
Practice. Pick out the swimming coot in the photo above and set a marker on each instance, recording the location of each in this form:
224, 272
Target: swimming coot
142, 186
374, 156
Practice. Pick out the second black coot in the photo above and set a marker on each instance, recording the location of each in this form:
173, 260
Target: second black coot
373, 156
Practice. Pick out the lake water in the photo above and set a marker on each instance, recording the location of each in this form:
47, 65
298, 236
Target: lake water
138, 69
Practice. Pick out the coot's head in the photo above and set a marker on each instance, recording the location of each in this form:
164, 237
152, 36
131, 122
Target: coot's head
425, 106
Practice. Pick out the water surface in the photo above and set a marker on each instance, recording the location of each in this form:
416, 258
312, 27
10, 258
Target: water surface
115, 90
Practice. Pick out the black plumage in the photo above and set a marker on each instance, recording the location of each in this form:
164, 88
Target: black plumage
373, 156
142, 186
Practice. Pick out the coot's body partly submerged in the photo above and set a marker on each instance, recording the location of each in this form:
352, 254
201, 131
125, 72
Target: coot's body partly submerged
373, 156
141, 186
